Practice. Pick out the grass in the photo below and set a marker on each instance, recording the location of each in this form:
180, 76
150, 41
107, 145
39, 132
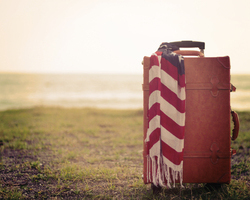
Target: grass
51, 153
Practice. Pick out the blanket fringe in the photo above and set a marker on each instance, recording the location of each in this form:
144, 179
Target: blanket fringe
160, 174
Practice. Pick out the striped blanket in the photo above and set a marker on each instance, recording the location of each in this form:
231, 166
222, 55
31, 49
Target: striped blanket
166, 116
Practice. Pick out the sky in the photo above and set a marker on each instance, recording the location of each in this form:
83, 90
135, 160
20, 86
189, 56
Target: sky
113, 36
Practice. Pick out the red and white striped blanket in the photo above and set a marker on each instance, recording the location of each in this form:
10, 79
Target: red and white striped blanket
166, 116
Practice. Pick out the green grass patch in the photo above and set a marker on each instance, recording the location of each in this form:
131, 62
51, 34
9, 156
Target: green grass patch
94, 154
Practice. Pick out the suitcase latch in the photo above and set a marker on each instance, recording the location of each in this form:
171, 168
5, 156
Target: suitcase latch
214, 90
214, 156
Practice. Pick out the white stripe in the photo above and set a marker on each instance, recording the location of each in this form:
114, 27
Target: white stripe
172, 141
172, 112
159, 61
153, 124
154, 72
172, 84
166, 108
155, 149
155, 97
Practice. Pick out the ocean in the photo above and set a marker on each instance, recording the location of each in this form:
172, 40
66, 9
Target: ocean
240, 100
90, 90
70, 90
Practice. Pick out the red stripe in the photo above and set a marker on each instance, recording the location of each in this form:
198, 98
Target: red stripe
158, 53
154, 137
173, 72
154, 61
155, 84
153, 111
172, 98
167, 94
182, 80
169, 68
172, 126
172, 155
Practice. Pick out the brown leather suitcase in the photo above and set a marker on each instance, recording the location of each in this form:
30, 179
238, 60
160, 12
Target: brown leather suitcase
207, 142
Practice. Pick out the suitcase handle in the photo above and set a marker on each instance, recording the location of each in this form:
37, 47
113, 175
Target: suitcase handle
236, 125
189, 53
188, 43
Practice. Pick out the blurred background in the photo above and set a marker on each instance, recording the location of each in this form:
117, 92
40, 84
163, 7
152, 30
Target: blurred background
78, 53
